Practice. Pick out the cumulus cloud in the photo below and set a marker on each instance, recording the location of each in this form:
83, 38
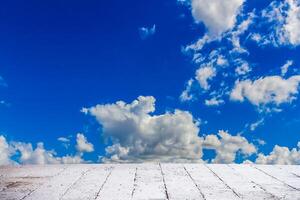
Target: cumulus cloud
25, 153
281, 155
217, 15
292, 23
41, 156
285, 67
284, 17
137, 135
146, 32
227, 146
5, 152
204, 74
268, 90
83, 145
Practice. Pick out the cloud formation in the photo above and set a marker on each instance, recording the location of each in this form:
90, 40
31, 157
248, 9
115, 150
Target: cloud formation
186, 94
5, 152
137, 135
283, 19
204, 74
267, 90
228, 146
82, 144
214, 101
27, 154
256, 124
217, 15
285, 67
243, 69
238, 31
41, 156
232, 27
281, 155
146, 32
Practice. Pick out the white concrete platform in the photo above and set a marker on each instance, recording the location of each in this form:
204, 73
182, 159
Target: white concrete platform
150, 181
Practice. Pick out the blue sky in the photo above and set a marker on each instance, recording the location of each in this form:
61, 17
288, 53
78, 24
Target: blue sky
57, 57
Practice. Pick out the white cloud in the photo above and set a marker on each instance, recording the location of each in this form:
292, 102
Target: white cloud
217, 15
204, 74
82, 144
25, 153
35, 156
199, 44
267, 90
240, 30
137, 135
243, 69
214, 63
292, 23
76, 159
281, 155
261, 142
222, 61
186, 94
41, 156
146, 32
214, 101
5, 152
256, 37
285, 19
63, 139
285, 67
228, 146
256, 124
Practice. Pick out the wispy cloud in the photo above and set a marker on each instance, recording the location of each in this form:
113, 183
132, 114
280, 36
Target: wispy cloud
283, 19
146, 32
285, 67
256, 124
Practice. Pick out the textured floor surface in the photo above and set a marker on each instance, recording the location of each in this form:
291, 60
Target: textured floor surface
150, 181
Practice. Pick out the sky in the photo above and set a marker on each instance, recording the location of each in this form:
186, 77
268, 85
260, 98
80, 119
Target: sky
150, 81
